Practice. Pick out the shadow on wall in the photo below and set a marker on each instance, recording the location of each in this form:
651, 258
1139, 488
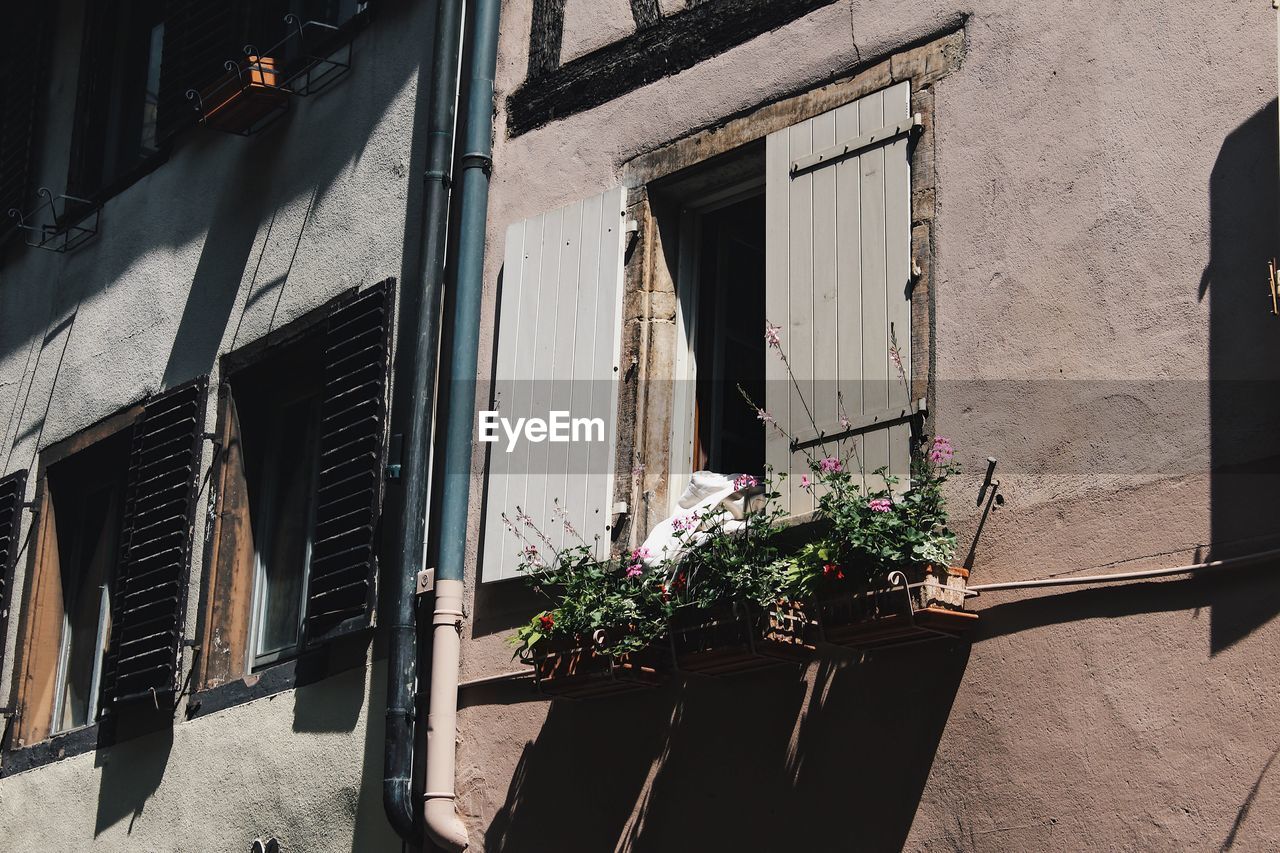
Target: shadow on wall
1244, 366
834, 760
131, 773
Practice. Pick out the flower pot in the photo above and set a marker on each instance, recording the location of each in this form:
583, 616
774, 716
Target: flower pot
900, 614
241, 100
739, 637
575, 669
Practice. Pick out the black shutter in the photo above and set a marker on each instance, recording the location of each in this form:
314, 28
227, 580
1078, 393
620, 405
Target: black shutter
353, 421
12, 490
199, 37
24, 41
149, 596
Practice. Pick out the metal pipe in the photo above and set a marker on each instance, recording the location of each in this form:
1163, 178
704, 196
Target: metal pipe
440, 815
421, 354
1081, 580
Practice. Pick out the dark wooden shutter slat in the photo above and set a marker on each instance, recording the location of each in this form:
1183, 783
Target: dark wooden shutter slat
12, 490
24, 46
149, 596
353, 422
199, 37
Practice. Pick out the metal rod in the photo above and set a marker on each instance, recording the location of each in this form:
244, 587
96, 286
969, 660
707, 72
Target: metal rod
1082, 580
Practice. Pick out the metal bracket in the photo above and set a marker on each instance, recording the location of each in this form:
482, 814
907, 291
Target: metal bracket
856, 145
426, 581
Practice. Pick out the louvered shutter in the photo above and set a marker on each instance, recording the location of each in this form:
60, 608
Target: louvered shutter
838, 277
199, 37
12, 490
353, 423
23, 63
149, 596
558, 337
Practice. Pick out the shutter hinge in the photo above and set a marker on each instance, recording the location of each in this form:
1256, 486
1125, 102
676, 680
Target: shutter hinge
395, 449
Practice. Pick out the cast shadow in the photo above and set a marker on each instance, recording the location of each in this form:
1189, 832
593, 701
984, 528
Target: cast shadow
832, 758
132, 769
1244, 366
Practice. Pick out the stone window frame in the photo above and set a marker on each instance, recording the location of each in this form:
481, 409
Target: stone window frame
649, 303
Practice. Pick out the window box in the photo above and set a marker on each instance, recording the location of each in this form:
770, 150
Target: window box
740, 637
574, 669
245, 99
902, 612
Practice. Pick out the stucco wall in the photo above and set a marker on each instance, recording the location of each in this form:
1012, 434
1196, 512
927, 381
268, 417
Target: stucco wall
1105, 209
231, 238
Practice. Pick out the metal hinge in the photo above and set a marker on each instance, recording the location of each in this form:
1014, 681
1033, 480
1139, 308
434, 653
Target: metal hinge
856, 145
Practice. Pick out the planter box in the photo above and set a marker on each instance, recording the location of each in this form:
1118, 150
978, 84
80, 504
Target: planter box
930, 609
244, 101
738, 638
576, 670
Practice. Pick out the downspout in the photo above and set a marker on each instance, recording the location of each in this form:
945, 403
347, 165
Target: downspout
402, 654
441, 817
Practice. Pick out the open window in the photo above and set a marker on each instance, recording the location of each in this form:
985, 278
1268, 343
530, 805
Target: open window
302, 422
116, 129
105, 601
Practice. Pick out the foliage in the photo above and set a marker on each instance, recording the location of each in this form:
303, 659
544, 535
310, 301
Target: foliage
593, 600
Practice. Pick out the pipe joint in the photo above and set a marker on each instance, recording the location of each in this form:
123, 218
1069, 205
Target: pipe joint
477, 160
432, 175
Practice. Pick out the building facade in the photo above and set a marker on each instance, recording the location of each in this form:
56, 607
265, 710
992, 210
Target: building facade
1059, 219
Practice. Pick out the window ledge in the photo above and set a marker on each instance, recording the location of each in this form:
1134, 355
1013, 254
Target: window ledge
62, 745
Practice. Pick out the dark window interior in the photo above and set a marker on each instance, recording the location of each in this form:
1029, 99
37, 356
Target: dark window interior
115, 129
278, 402
87, 495
729, 341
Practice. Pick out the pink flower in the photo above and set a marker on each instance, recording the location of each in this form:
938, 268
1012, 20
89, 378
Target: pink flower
772, 335
896, 357
942, 450
531, 556
524, 517
805, 482
880, 505
762, 415
745, 481
685, 523
845, 423
640, 554
635, 570
830, 465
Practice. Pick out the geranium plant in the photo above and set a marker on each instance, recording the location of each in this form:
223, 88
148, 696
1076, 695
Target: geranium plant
607, 603
869, 532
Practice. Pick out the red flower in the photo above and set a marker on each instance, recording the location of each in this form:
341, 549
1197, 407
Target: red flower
547, 621
833, 569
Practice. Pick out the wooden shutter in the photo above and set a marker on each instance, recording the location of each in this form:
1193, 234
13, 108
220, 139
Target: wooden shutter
199, 37
838, 273
12, 490
149, 596
558, 338
23, 66
353, 422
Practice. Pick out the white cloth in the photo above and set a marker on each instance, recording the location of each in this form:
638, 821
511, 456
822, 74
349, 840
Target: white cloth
712, 500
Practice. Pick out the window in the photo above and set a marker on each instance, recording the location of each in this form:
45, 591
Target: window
116, 128
277, 401
105, 600
298, 487
24, 56
86, 492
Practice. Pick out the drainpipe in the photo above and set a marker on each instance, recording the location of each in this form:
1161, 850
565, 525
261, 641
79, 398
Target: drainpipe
441, 817
402, 654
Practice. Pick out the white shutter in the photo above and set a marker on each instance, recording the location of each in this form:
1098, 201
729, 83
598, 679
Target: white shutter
838, 271
559, 326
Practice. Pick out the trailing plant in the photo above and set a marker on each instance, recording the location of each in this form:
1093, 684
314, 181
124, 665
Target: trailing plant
870, 530
607, 603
